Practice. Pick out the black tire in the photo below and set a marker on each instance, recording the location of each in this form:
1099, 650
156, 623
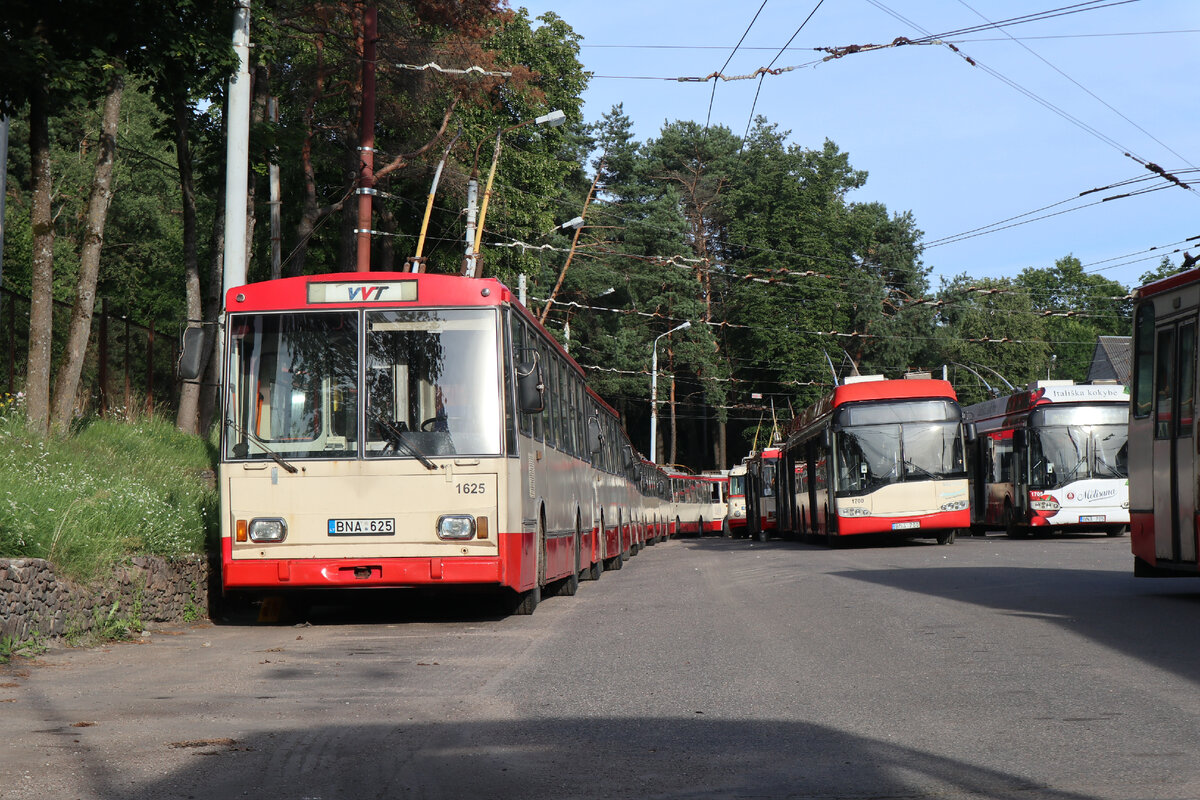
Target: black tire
946, 537
522, 604
726, 531
1011, 529
1116, 530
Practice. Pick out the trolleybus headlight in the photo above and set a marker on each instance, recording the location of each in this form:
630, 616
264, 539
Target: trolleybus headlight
1046, 503
854, 511
267, 530
957, 505
456, 526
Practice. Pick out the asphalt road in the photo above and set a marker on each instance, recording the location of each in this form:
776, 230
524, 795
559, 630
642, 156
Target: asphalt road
706, 668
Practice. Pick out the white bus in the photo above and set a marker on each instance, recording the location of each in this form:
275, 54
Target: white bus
1053, 457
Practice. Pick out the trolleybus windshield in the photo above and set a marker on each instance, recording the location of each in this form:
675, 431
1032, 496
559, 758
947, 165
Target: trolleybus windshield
884, 443
431, 384
292, 387
1075, 443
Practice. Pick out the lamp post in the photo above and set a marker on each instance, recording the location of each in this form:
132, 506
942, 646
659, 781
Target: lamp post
654, 388
553, 119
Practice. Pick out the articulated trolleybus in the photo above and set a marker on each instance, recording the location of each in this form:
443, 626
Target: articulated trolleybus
409, 430
1052, 457
878, 456
1164, 470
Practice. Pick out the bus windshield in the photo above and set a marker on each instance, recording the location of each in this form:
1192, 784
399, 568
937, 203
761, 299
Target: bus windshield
431, 377
1062, 455
737, 485
871, 456
433, 383
293, 386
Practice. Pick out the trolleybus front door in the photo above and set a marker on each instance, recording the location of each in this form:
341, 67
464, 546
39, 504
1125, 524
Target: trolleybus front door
1174, 463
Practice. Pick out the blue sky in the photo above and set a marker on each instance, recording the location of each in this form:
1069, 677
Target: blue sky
1035, 123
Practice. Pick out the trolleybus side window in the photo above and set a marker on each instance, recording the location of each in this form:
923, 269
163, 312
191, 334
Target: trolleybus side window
1143, 367
1187, 378
518, 343
1163, 382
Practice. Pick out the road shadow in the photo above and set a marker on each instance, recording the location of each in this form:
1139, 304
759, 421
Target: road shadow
669, 758
1153, 620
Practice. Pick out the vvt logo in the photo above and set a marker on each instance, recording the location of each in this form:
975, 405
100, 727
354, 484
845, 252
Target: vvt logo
366, 293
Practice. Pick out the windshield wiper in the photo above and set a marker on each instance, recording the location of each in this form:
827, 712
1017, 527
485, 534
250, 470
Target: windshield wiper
396, 438
918, 468
278, 459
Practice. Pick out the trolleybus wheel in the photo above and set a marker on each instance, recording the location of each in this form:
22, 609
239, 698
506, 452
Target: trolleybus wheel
522, 604
946, 537
1011, 528
1116, 530
726, 531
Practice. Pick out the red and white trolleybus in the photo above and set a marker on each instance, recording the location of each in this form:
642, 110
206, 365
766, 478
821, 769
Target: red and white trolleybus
401, 429
1051, 458
1164, 468
878, 456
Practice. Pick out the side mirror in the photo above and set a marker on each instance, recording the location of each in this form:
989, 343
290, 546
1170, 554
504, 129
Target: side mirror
530, 389
191, 353
970, 431
595, 437
826, 439
1020, 439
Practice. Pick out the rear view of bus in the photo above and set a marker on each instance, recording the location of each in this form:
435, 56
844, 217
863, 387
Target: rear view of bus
1163, 468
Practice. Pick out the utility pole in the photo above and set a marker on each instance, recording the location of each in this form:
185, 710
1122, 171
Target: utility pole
237, 152
366, 184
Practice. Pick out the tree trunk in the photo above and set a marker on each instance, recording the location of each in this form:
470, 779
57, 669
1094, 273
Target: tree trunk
189, 393
66, 386
41, 321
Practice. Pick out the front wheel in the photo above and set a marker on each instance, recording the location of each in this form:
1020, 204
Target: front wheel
946, 537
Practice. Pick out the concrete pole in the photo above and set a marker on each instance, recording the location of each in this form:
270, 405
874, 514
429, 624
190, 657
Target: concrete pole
237, 153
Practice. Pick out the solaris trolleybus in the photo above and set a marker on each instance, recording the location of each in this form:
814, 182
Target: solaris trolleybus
877, 456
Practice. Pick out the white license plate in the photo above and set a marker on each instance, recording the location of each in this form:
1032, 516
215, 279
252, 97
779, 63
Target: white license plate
370, 526
1091, 518
900, 526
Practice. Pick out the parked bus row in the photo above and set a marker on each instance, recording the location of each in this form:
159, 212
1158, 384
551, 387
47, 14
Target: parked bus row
902, 458
417, 430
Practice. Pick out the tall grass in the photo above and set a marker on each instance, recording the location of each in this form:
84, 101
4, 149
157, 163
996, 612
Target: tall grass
108, 491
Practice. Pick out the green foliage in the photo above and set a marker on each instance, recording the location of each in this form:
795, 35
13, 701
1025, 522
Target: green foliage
12, 647
114, 489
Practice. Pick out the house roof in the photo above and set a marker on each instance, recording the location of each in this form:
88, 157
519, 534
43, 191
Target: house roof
1111, 359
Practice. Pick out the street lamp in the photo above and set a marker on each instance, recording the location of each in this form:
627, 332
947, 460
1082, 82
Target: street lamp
654, 387
553, 119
